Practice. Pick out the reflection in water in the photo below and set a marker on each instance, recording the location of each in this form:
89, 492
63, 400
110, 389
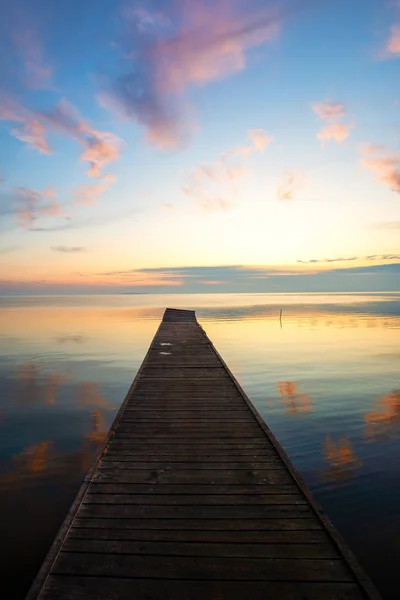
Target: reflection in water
99, 428
34, 388
295, 401
341, 458
89, 394
67, 339
66, 364
43, 462
380, 422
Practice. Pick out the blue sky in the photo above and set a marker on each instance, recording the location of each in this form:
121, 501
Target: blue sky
140, 137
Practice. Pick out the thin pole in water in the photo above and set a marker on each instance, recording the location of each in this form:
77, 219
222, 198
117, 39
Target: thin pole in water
280, 318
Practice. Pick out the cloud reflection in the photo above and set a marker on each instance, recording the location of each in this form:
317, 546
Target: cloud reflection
386, 418
34, 388
295, 401
341, 458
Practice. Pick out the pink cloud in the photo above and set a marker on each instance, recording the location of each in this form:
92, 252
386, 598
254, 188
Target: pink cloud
30, 130
260, 139
336, 131
88, 194
214, 204
328, 110
213, 186
33, 133
385, 163
393, 42
167, 207
38, 72
31, 204
99, 148
187, 45
292, 182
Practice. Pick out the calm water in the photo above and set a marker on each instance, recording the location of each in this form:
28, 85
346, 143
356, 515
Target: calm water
326, 381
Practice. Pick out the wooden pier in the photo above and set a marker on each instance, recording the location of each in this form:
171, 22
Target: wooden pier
192, 497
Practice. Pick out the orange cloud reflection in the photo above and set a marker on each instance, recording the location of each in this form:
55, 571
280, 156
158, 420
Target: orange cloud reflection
379, 422
340, 456
34, 388
295, 401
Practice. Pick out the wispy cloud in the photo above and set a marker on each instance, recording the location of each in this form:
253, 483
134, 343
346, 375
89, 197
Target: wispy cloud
332, 113
7, 249
33, 133
328, 109
31, 204
374, 257
327, 260
388, 225
335, 131
69, 249
183, 44
260, 139
385, 163
292, 182
383, 257
99, 148
30, 129
38, 72
214, 185
88, 194
393, 42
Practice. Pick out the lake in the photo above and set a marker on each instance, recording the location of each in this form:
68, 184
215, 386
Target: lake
325, 378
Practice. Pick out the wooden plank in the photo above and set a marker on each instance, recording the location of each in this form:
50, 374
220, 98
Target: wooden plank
200, 549
92, 530
116, 463
171, 567
111, 497
259, 477
235, 525
220, 459
192, 497
131, 511
190, 489
183, 429
65, 587
178, 445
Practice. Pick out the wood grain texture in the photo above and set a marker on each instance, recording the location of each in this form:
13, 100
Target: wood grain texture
65, 587
192, 497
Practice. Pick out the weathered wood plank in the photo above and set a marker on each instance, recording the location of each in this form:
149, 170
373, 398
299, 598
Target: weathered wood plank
203, 454
190, 489
65, 587
104, 497
214, 444
214, 460
109, 463
211, 477
235, 525
107, 531
201, 549
171, 567
130, 511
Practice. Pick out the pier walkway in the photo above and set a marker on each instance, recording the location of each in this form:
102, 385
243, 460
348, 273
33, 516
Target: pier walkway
193, 498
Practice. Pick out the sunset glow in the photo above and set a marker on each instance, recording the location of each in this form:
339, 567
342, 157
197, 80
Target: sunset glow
199, 146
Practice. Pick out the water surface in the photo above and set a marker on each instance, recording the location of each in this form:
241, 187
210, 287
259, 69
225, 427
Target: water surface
325, 378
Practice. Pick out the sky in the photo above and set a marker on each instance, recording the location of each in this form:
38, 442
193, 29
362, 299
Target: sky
199, 146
